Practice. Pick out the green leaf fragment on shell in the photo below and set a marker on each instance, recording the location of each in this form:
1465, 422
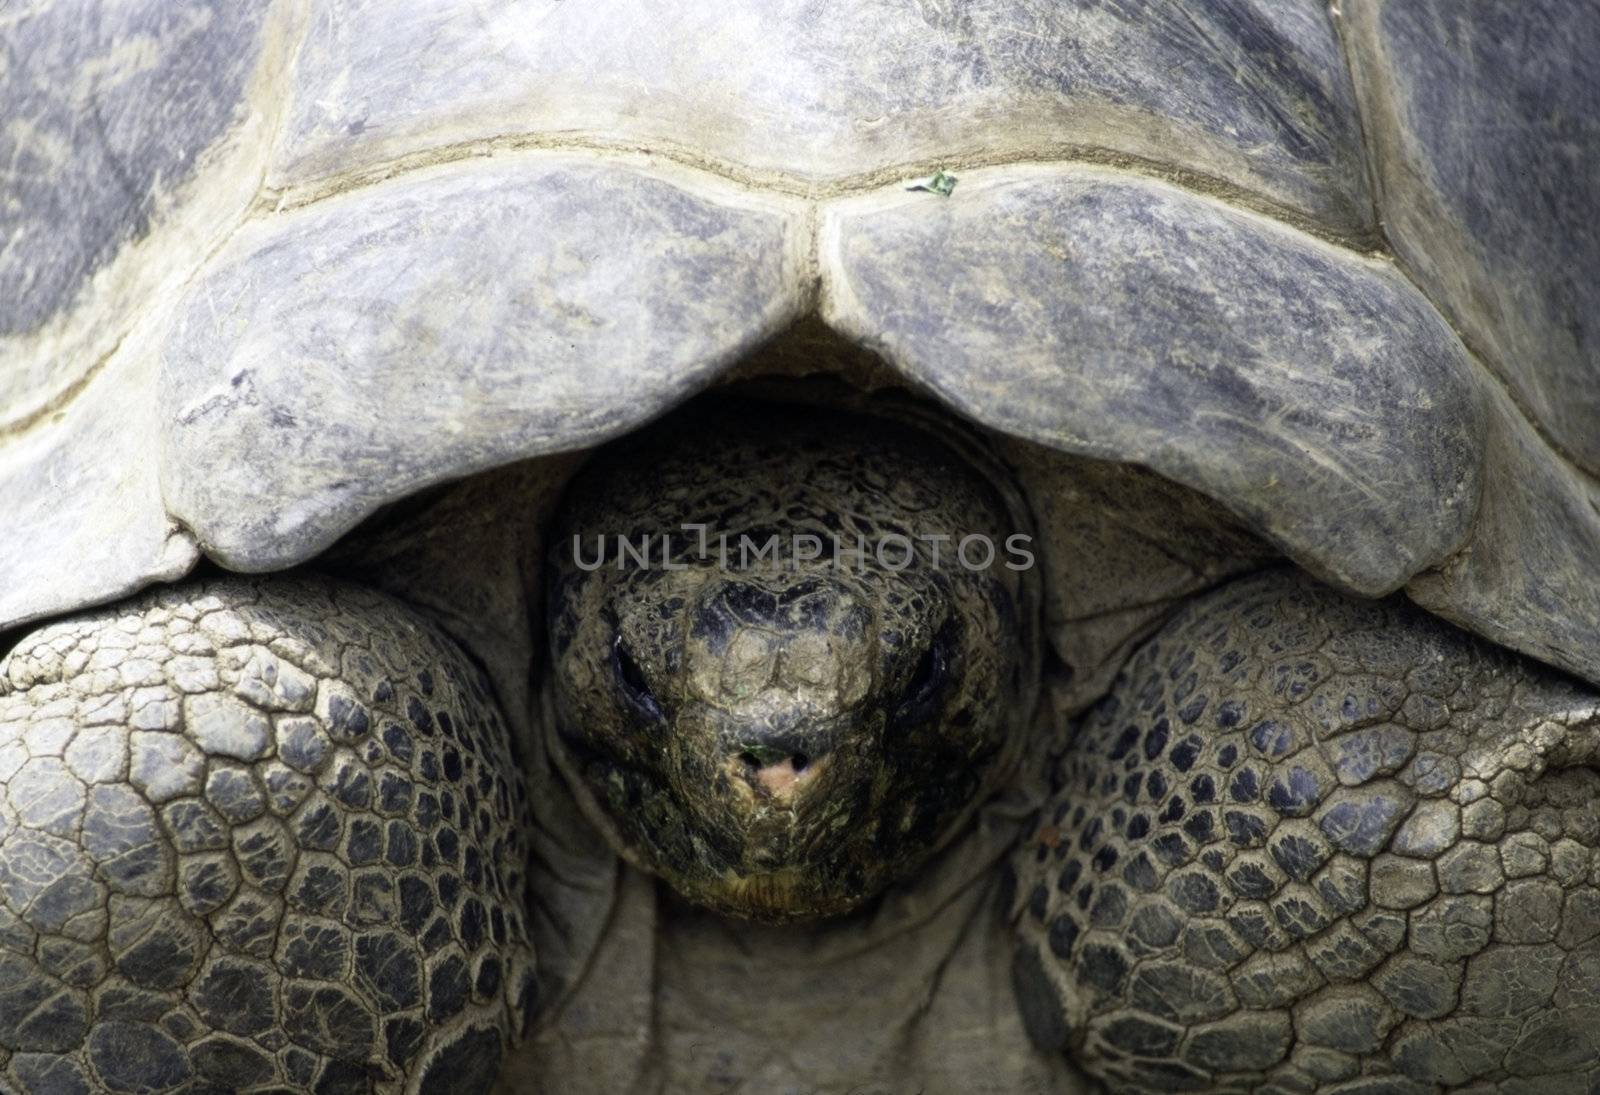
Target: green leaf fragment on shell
940, 183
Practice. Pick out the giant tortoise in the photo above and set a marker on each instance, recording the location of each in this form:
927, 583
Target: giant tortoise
384, 383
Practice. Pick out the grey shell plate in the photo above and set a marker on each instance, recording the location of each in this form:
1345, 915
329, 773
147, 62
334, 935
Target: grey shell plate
356, 249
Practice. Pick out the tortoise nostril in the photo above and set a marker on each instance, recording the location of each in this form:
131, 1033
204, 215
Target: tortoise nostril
777, 772
784, 778
757, 759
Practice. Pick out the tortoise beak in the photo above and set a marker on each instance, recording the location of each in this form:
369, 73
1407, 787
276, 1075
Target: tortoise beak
775, 776
780, 760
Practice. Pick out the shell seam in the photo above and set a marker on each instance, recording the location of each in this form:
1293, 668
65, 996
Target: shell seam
293, 196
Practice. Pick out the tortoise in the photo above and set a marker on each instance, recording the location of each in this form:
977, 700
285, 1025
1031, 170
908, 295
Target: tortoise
335, 332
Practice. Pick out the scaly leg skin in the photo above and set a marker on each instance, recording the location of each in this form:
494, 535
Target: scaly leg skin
1315, 843
256, 835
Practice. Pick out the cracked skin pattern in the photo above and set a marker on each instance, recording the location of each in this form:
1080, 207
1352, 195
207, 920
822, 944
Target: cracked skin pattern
255, 834
1310, 843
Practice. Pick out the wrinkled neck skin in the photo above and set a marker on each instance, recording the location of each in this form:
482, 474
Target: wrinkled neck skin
646, 993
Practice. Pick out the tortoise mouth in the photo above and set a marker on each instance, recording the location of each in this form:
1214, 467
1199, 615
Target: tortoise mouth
764, 842
778, 897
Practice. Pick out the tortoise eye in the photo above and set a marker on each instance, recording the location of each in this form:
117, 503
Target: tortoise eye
633, 682
928, 679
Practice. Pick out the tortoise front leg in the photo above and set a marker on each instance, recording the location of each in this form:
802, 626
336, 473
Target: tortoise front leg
1308, 841
256, 834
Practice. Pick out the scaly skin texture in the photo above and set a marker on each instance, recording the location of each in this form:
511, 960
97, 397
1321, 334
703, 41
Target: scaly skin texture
268, 834
1308, 839
256, 835
782, 740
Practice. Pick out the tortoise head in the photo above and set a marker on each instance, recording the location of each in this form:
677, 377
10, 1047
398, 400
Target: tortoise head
789, 657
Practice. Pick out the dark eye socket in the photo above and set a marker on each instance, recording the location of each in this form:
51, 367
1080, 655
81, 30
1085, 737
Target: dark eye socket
928, 679
634, 685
